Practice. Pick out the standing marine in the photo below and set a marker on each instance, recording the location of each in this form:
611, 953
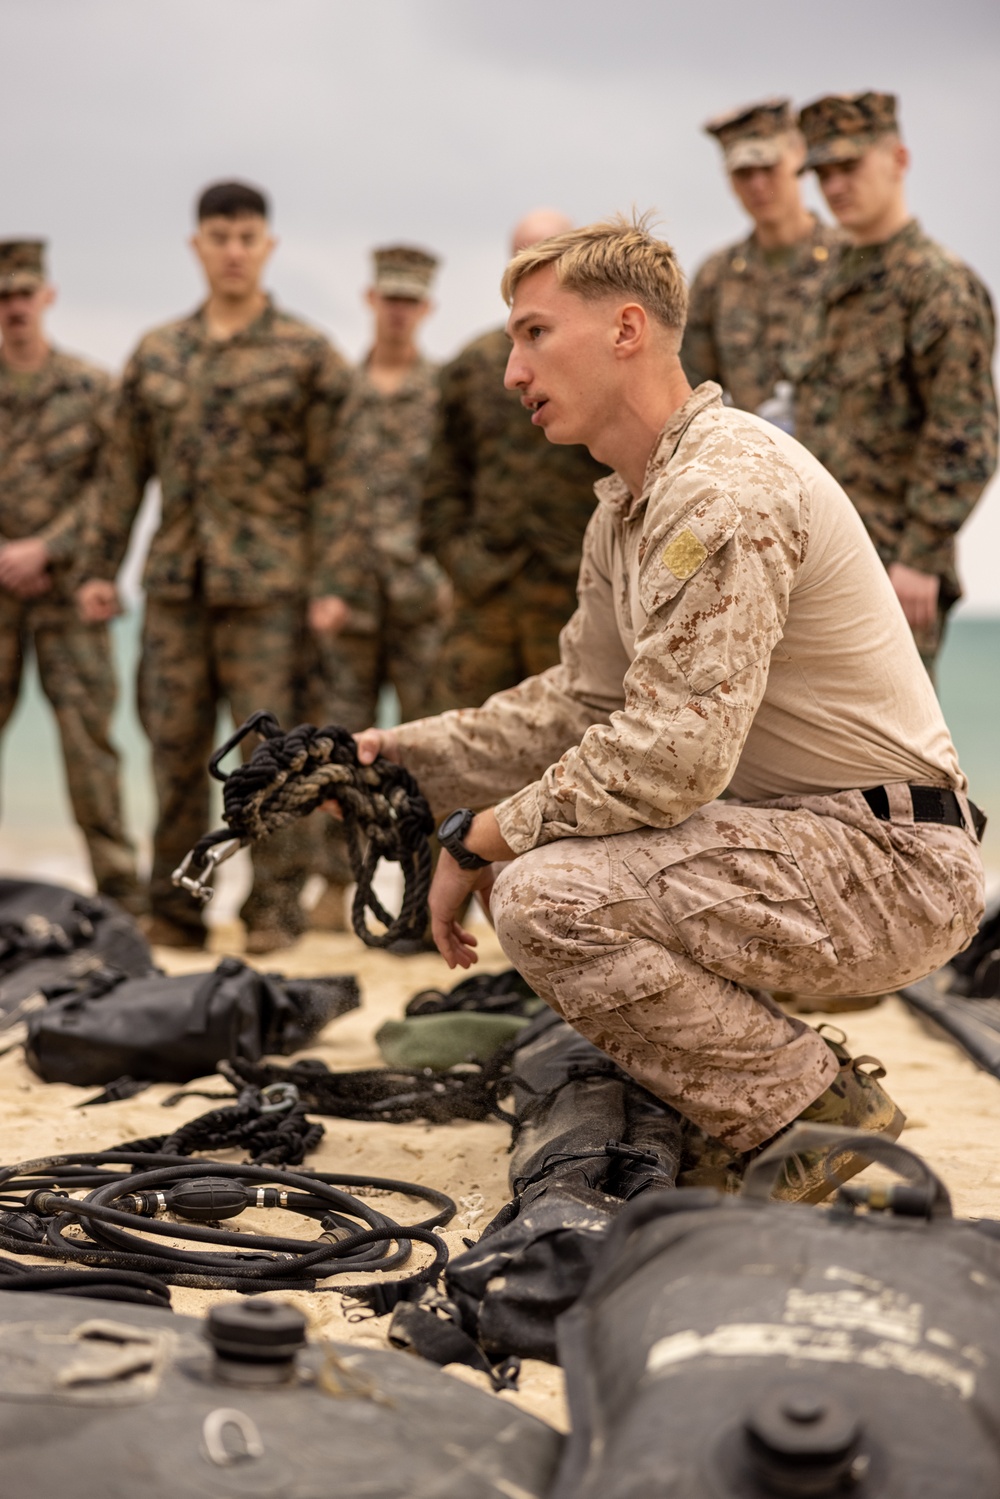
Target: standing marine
504, 514
385, 620
896, 397
53, 422
748, 302
233, 409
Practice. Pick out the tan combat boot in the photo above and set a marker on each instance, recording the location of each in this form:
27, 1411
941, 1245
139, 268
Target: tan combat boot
854, 1100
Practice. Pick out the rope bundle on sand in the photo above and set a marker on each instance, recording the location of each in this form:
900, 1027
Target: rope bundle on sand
288, 776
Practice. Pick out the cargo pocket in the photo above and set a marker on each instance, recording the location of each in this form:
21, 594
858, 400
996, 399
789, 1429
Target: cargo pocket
607, 983
746, 910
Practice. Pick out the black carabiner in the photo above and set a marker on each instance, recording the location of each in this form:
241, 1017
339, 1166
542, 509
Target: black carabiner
265, 724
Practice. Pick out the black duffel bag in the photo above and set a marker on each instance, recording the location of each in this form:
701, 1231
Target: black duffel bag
734, 1348
173, 1029
49, 933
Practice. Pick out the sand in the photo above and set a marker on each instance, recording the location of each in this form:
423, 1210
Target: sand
953, 1110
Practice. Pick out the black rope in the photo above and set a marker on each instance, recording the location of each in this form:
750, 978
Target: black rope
385, 815
388, 1095
273, 1133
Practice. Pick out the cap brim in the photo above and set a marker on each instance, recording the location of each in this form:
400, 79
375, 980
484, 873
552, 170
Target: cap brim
840, 148
16, 281
401, 286
754, 153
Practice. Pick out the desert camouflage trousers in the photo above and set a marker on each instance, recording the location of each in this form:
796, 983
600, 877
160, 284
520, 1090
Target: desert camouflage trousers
194, 659
658, 945
496, 642
77, 674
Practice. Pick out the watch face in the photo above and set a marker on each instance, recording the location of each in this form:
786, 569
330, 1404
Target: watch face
452, 824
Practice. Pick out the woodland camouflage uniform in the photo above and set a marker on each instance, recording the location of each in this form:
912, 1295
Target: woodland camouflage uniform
747, 304
746, 313
895, 396
504, 513
52, 426
239, 434
394, 589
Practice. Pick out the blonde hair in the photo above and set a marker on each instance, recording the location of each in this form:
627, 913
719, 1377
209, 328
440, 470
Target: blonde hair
617, 255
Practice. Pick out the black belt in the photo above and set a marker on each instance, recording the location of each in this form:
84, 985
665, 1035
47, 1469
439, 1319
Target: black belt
930, 804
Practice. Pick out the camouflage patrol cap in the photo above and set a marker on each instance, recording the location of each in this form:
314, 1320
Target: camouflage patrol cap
755, 135
22, 264
403, 271
841, 127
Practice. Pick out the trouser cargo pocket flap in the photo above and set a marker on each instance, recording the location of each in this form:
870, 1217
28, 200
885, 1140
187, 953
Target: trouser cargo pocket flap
633, 971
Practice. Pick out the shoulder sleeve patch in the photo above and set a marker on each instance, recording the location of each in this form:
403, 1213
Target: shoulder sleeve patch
684, 555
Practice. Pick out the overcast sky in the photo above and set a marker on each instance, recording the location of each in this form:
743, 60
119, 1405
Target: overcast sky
440, 122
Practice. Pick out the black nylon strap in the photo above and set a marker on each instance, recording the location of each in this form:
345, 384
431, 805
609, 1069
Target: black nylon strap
930, 804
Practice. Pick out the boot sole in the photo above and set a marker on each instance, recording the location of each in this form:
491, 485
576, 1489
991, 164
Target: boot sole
848, 1165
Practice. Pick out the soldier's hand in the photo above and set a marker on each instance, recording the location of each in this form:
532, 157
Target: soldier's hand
371, 743
375, 742
24, 567
450, 890
917, 592
97, 601
329, 615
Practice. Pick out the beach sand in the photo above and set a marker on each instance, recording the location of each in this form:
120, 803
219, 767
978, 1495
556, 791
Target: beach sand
952, 1107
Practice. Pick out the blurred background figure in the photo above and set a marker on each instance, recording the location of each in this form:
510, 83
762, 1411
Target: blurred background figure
897, 396
53, 421
385, 621
233, 409
748, 301
504, 513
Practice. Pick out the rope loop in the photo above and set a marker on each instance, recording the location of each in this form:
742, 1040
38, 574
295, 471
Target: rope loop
288, 776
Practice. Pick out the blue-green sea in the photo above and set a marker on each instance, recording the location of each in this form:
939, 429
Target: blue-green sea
37, 831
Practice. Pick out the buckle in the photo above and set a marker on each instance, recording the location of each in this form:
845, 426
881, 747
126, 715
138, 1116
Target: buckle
200, 885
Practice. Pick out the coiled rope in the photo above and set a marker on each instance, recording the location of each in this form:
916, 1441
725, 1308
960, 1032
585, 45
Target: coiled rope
288, 776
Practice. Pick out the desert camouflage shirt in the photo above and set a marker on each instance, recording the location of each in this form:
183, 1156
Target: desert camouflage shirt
500, 500
727, 622
380, 460
897, 398
52, 426
238, 432
746, 312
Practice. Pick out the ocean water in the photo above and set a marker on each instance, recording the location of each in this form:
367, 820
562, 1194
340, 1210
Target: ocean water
37, 833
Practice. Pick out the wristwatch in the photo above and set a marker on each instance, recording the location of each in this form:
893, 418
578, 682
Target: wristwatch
450, 835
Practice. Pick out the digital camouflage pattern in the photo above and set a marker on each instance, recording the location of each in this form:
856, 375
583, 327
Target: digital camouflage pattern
52, 426
22, 264
500, 501
841, 127
754, 135
380, 459
645, 910
656, 945
193, 656
76, 670
747, 309
238, 431
396, 591
740, 572
896, 398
